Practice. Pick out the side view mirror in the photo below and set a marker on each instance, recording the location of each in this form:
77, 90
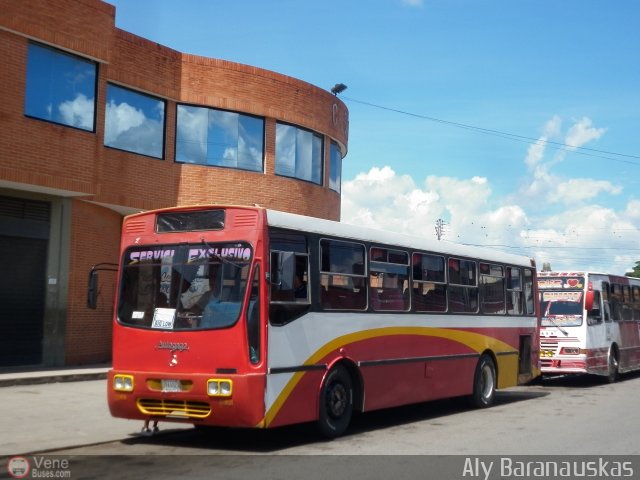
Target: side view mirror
588, 300
92, 288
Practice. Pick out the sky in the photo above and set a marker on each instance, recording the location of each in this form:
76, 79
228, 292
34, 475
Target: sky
514, 124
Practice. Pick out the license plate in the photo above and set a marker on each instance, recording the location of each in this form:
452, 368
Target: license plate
171, 385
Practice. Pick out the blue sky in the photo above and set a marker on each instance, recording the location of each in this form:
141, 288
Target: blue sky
516, 122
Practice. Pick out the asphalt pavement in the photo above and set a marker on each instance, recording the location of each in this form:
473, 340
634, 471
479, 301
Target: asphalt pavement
53, 409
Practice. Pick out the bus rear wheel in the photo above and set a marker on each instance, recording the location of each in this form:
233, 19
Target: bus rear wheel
613, 374
484, 383
336, 403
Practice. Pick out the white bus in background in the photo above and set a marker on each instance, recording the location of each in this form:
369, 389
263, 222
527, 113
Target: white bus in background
590, 323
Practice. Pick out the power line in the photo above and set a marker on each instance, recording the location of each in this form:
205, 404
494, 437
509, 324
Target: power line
545, 247
509, 136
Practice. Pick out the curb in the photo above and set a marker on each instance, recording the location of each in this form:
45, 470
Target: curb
53, 377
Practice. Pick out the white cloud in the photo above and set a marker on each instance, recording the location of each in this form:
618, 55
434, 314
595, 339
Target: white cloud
633, 210
536, 152
586, 238
382, 199
413, 3
191, 141
553, 188
579, 190
577, 235
582, 133
128, 128
78, 112
121, 118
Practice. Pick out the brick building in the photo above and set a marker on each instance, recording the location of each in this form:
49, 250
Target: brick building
97, 123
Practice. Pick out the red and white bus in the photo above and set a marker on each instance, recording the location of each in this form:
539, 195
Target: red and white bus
590, 323
247, 317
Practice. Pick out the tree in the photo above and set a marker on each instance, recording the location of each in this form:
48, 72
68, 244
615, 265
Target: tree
635, 272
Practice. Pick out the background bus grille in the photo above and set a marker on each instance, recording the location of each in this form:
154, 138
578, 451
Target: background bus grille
154, 406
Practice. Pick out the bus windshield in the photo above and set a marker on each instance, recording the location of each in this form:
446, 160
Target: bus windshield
561, 308
183, 287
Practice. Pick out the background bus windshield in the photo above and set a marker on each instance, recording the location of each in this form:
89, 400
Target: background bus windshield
561, 308
183, 287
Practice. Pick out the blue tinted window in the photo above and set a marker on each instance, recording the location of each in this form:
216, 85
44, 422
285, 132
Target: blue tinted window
134, 122
298, 153
60, 87
208, 136
335, 168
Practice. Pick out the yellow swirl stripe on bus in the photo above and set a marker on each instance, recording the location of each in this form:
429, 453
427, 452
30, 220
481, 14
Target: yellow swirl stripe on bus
475, 341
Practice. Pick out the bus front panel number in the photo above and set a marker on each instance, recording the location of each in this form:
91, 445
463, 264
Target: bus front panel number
170, 385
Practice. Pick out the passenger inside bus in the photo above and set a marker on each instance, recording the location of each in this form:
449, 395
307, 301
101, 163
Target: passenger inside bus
207, 301
300, 286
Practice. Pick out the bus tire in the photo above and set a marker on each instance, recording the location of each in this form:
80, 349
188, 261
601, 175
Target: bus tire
484, 383
336, 403
613, 374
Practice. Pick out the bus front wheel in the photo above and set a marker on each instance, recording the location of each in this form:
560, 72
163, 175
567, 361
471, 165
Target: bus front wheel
484, 383
336, 403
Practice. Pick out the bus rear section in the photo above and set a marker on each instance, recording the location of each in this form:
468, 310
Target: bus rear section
187, 340
590, 324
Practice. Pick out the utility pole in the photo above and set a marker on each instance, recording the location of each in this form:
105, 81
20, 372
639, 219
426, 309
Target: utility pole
440, 229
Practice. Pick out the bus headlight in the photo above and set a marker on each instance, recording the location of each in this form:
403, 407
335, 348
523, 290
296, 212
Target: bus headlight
219, 387
123, 383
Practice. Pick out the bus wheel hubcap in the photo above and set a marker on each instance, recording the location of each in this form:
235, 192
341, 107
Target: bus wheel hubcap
337, 400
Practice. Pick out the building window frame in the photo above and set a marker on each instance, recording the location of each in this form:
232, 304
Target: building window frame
60, 87
335, 167
299, 153
139, 109
212, 130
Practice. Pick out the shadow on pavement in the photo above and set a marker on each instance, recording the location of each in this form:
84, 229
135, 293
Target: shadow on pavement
256, 441
582, 380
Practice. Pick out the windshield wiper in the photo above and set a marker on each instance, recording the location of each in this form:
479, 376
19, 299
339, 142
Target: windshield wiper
557, 326
546, 316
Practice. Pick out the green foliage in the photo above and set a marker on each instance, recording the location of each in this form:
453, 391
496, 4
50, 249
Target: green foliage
635, 272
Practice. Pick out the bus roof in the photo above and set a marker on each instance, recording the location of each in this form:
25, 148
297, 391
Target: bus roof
321, 226
581, 273
293, 221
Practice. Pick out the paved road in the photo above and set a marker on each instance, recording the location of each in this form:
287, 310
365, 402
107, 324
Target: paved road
574, 416
48, 416
560, 417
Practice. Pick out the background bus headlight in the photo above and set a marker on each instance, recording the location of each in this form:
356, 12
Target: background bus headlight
219, 387
123, 383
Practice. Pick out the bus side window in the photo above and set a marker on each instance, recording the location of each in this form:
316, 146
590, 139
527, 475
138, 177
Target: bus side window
529, 302
606, 298
289, 280
343, 278
514, 292
594, 315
